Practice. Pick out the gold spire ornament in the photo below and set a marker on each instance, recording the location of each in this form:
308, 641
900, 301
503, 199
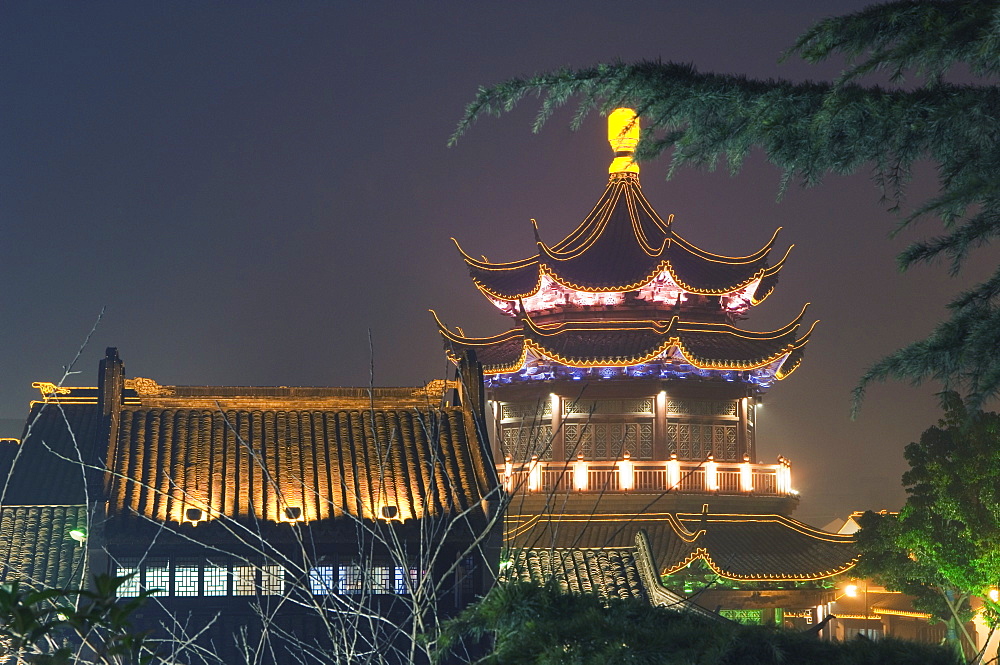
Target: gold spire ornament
623, 135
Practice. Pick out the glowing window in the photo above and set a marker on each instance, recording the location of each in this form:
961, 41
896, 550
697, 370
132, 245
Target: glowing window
216, 577
244, 580
158, 577
380, 579
272, 580
323, 580
129, 588
350, 579
186, 573
405, 580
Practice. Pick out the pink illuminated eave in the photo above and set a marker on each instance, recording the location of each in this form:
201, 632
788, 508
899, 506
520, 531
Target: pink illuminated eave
662, 291
671, 364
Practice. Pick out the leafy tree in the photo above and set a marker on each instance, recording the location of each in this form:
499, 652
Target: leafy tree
811, 129
528, 624
63, 626
943, 547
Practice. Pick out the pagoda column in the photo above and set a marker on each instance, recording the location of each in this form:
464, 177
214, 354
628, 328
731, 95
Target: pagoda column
558, 438
660, 451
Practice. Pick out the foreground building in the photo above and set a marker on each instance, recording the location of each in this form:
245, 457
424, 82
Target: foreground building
624, 399
338, 522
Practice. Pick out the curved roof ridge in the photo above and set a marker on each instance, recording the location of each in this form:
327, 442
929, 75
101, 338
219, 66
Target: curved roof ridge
489, 265
722, 258
582, 227
564, 251
790, 522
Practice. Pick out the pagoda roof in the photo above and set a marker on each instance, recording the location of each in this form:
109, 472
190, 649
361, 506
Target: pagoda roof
621, 245
704, 345
738, 547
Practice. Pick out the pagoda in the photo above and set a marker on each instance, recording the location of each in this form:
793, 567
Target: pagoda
625, 371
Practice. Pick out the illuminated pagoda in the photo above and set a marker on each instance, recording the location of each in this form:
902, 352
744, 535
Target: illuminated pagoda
625, 393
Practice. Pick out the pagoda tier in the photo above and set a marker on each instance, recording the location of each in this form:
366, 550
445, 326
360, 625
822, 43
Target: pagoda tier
670, 349
624, 253
624, 371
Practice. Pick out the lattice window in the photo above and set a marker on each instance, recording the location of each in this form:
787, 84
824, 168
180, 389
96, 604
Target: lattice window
380, 579
600, 441
526, 410
157, 576
466, 576
129, 588
608, 441
350, 579
645, 441
521, 442
405, 579
244, 580
186, 577
611, 407
216, 579
690, 407
272, 580
695, 441
323, 580
750, 617
730, 434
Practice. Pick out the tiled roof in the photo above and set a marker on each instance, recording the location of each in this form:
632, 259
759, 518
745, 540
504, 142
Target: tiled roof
739, 547
621, 245
608, 572
36, 548
45, 465
248, 463
595, 343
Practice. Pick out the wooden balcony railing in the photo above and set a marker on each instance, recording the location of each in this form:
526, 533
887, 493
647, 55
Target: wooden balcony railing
627, 475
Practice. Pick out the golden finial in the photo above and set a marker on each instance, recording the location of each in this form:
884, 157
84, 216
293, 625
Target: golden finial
623, 135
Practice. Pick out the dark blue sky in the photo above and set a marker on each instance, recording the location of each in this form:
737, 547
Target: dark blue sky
249, 188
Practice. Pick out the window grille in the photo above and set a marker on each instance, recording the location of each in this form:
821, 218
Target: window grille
272, 580
350, 579
405, 579
244, 580
157, 576
186, 574
129, 588
380, 579
216, 579
694, 441
690, 407
323, 580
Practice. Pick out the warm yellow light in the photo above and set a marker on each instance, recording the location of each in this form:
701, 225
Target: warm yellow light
626, 473
580, 473
623, 135
994, 595
711, 474
534, 475
851, 590
746, 475
673, 472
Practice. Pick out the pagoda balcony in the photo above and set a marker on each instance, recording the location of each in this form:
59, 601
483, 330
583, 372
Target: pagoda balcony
627, 475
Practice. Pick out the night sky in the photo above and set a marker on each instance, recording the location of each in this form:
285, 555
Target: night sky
250, 188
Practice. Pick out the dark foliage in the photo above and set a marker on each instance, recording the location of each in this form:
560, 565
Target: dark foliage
528, 624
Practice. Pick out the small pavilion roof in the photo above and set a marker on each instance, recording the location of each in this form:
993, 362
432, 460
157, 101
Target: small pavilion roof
737, 547
602, 343
620, 246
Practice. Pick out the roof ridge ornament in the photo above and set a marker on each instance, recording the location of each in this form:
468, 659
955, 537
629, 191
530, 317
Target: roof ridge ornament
623, 135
